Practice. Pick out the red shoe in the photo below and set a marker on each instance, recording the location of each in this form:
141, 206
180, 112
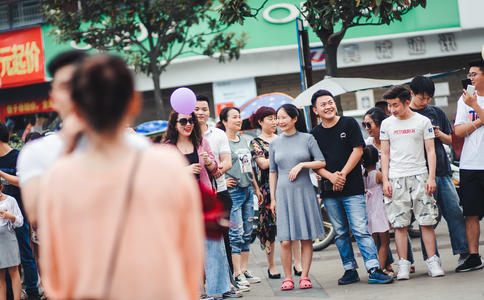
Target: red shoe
305, 283
287, 284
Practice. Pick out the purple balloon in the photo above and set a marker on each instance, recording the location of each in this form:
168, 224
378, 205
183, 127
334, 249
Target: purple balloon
183, 100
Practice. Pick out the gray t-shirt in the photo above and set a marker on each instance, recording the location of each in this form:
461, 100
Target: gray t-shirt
241, 162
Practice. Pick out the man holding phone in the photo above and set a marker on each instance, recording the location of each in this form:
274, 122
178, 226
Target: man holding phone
422, 90
468, 124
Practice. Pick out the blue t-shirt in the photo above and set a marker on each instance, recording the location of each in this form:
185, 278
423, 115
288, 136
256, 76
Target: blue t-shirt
8, 164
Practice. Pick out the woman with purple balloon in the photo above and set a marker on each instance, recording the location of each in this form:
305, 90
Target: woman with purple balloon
184, 132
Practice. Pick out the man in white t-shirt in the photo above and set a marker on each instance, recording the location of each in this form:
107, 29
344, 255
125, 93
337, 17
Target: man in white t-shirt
219, 144
468, 124
407, 185
38, 155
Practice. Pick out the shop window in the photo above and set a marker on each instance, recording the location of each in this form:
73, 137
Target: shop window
18, 14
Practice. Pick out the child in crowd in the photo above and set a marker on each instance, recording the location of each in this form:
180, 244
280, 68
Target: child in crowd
378, 224
10, 218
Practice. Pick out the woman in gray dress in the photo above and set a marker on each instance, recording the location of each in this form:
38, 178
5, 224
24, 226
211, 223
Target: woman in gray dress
293, 198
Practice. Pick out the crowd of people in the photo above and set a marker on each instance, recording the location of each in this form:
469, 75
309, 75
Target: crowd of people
120, 218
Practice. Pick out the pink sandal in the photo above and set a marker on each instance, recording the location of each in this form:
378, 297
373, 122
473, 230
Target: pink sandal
287, 284
305, 283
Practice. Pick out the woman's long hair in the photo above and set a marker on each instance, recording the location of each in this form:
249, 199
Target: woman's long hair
171, 135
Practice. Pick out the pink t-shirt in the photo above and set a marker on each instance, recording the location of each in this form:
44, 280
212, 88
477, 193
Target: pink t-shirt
162, 245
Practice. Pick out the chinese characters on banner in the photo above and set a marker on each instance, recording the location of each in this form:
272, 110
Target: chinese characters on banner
24, 107
21, 57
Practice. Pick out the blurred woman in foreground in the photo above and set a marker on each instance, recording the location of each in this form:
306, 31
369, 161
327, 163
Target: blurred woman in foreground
118, 222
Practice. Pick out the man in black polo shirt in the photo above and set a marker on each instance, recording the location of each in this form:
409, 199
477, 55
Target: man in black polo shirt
341, 142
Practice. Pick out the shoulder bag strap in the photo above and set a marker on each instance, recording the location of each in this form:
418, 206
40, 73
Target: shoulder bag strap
120, 228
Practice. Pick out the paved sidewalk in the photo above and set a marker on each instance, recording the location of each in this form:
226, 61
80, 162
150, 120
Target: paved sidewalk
327, 268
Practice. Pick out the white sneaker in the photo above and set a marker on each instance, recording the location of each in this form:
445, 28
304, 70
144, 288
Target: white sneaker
243, 288
403, 269
241, 280
251, 278
433, 267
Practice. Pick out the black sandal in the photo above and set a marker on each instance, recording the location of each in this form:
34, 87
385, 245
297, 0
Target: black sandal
273, 276
296, 272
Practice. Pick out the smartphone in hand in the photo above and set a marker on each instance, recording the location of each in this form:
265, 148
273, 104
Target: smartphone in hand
467, 85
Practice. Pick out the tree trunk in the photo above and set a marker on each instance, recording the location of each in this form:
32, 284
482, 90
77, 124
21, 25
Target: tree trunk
330, 55
157, 93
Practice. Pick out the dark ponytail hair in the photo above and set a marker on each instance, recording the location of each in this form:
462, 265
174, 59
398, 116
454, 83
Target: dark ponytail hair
224, 114
101, 88
370, 157
292, 111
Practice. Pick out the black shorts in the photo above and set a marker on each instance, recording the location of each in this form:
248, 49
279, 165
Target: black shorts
472, 191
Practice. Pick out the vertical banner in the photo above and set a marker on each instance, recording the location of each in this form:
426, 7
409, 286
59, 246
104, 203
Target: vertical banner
21, 57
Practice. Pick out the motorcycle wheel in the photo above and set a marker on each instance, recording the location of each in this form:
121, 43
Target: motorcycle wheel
320, 244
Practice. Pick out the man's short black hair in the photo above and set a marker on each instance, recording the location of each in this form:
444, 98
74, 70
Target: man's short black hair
203, 98
421, 84
477, 63
4, 133
318, 94
397, 91
72, 57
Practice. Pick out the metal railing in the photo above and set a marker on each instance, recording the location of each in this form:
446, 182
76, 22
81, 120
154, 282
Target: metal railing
26, 13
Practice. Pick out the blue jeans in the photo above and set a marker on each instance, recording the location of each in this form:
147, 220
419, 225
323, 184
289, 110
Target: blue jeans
242, 218
346, 212
448, 202
217, 273
31, 276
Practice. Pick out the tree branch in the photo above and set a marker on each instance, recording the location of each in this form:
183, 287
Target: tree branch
364, 24
159, 42
338, 36
260, 7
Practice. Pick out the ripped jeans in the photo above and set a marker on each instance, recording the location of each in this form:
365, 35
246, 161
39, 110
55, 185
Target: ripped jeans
242, 218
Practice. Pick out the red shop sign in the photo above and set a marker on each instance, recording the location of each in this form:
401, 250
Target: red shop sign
25, 107
21, 57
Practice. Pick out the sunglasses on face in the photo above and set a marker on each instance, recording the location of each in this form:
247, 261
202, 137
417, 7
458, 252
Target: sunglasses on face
366, 125
185, 121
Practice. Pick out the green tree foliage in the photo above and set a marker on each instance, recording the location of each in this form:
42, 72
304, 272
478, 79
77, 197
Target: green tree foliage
172, 29
330, 19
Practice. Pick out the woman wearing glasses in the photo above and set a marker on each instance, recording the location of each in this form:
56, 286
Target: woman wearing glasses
184, 132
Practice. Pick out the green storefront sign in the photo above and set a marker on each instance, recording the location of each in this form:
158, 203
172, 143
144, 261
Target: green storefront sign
275, 26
